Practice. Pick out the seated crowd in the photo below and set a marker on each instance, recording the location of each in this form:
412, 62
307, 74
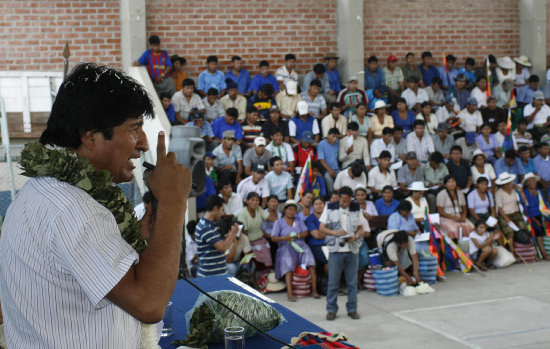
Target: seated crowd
415, 139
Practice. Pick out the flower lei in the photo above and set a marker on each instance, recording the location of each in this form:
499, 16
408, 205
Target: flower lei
64, 165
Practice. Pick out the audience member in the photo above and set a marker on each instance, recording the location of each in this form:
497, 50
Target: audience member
362, 120
482, 169
317, 105
409, 173
229, 159
470, 116
277, 147
420, 143
488, 143
263, 101
381, 175
395, 82
480, 92
177, 74
353, 148
288, 99
399, 144
280, 182
327, 153
287, 72
351, 177
511, 165
158, 65
257, 155
305, 149
233, 201
383, 144
379, 121
234, 99
349, 97
214, 108
228, 123
410, 69
413, 95
275, 122
186, 100
318, 73
334, 120
481, 203
429, 118
374, 75
403, 117
255, 183
262, 78
468, 145
451, 206
429, 72
239, 76
211, 77
333, 77
460, 169
251, 127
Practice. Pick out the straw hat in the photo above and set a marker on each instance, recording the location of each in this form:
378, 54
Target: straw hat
523, 60
379, 104
478, 152
417, 186
283, 206
529, 176
504, 178
274, 284
505, 63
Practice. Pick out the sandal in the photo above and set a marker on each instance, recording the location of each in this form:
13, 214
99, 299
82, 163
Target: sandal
316, 296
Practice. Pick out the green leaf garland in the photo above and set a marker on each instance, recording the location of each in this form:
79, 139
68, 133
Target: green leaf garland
60, 163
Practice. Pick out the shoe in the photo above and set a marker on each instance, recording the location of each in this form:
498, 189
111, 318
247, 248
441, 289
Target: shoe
331, 316
353, 315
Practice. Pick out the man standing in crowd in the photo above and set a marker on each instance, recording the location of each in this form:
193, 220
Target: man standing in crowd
333, 77
239, 76
158, 65
211, 77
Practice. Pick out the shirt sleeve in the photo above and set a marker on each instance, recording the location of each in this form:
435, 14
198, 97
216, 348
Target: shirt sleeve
238, 131
144, 58
290, 152
324, 216
393, 221
289, 185
276, 228
292, 128
92, 250
315, 127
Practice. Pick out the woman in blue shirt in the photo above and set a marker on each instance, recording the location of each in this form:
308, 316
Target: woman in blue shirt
315, 239
402, 116
532, 209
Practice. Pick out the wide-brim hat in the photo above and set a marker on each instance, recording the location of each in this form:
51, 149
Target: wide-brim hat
523, 60
478, 152
274, 284
504, 178
417, 186
284, 205
506, 63
529, 176
332, 55
379, 104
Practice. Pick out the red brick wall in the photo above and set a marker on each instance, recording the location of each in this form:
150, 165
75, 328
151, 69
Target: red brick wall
464, 28
34, 32
254, 30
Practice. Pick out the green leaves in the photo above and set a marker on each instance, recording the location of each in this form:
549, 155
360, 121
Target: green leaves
39, 161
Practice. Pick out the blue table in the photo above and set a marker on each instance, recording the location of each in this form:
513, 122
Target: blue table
184, 298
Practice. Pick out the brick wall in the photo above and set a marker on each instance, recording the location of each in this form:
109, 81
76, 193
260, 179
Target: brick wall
34, 32
464, 28
254, 30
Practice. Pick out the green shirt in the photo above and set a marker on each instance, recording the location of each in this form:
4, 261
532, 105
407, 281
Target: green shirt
433, 177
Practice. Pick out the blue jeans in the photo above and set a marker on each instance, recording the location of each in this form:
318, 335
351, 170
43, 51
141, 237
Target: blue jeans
336, 263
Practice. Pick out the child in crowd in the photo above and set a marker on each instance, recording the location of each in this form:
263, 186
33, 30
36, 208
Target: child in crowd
169, 110
481, 246
214, 108
209, 167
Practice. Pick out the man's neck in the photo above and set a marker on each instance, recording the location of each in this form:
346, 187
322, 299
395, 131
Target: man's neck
226, 197
227, 149
211, 72
383, 169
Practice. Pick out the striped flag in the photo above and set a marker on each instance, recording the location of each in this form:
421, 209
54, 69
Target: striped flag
489, 78
306, 180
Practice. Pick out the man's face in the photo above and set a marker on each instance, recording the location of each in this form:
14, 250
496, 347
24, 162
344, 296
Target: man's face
492, 104
387, 138
522, 127
188, 90
252, 117
228, 143
537, 103
471, 108
352, 85
412, 85
233, 92
412, 163
277, 138
524, 155
460, 83
427, 60
274, 115
212, 66
387, 195
501, 127
331, 63
373, 66
155, 48
314, 90
332, 138
227, 190
544, 150
533, 85
115, 155
260, 149
290, 64
450, 106
509, 162
166, 103
391, 65
237, 65
318, 75
427, 109
220, 212
456, 155
177, 65
198, 123
211, 99
257, 176
229, 119
354, 133
264, 71
397, 136
335, 112
419, 130
208, 161
278, 166
436, 87
482, 84
345, 201
410, 60
450, 65
384, 162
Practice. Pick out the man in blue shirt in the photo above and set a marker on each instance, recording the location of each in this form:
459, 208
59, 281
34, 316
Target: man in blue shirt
228, 122
210, 246
333, 77
327, 153
428, 70
374, 76
402, 219
263, 77
448, 79
542, 162
469, 73
386, 205
526, 161
211, 78
527, 92
509, 163
239, 75
158, 65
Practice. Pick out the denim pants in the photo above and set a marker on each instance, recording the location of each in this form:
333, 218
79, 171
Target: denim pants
336, 262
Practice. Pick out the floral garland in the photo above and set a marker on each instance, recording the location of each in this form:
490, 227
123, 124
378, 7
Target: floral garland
64, 165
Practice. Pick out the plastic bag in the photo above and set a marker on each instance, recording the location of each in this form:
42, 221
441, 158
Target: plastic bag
504, 258
363, 256
207, 320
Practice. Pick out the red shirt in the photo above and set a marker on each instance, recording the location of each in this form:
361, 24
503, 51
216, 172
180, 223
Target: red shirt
301, 154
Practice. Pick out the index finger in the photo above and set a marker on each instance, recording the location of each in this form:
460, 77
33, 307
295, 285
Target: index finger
161, 146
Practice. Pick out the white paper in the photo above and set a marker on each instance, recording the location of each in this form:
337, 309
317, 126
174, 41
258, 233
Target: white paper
491, 221
435, 187
513, 226
350, 141
396, 166
422, 237
434, 218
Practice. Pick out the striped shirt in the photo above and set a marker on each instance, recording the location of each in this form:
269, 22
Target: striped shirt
250, 132
211, 261
61, 253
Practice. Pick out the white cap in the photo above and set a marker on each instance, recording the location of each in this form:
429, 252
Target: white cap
302, 108
291, 87
259, 141
379, 104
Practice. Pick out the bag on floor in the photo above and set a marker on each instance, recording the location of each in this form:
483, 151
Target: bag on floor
504, 258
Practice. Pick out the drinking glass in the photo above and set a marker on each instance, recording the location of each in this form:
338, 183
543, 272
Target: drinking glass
167, 329
234, 337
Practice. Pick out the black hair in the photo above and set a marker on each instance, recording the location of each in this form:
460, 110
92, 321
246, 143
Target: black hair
482, 179
446, 179
523, 148
470, 61
400, 237
409, 54
317, 198
387, 187
345, 191
319, 68
404, 205
450, 58
384, 155
424, 104
290, 56
267, 89
387, 131
436, 157
485, 124
481, 78
251, 195
353, 126
492, 59
264, 63
334, 105
361, 104
402, 100
357, 169
191, 227
372, 59
147, 197
187, 82
334, 131
273, 159
456, 147
212, 202
164, 95
236, 58
316, 82
233, 112
271, 197
94, 98
510, 154
251, 109
211, 59
277, 130
397, 129
534, 78
426, 54
154, 40
212, 91
418, 122
524, 121
437, 80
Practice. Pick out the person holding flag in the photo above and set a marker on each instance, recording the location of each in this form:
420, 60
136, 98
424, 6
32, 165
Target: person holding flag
448, 74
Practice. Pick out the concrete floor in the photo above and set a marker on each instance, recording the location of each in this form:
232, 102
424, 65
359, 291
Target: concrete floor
508, 308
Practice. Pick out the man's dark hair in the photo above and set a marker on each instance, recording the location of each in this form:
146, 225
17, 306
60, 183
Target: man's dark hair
251, 109
267, 89
386, 188
450, 58
232, 112
470, 61
510, 154
492, 59
353, 126
456, 147
482, 179
223, 183
534, 78
94, 98
523, 148
400, 237
316, 82
273, 159
277, 130
264, 63
289, 56
481, 78
164, 95
334, 131
425, 104
319, 68
334, 105
187, 82
211, 59
397, 129
236, 58
426, 54
356, 170
387, 131
212, 91
372, 59
437, 80
213, 201
523, 121
404, 205
345, 191
437, 157
409, 54
419, 122
384, 155
154, 40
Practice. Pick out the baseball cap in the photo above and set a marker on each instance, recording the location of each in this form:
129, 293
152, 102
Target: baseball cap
274, 107
472, 101
209, 154
538, 95
411, 155
259, 141
307, 137
392, 58
291, 87
229, 134
302, 107
352, 78
259, 168
442, 126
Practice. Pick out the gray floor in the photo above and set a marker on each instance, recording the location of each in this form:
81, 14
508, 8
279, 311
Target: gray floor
508, 308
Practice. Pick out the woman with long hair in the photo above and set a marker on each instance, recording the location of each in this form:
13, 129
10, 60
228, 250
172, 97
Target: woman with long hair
451, 206
252, 217
316, 239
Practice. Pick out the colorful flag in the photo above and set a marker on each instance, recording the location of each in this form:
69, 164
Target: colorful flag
545, 214
508, 140
306, 180
527, 220
489, 78
428, 227
464, 261
512, 99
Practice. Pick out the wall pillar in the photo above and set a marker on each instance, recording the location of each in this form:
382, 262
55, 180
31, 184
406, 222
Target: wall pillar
133, 31
532, 34
350, 37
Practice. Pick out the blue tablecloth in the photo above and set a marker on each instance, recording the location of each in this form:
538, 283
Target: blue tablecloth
184, 298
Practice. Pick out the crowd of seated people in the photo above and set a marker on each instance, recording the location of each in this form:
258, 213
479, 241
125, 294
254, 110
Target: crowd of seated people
415, 138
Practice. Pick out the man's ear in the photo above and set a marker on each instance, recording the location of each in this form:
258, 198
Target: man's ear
88, 139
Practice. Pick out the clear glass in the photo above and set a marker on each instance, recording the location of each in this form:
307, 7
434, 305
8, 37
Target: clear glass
234, 337
167, 329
